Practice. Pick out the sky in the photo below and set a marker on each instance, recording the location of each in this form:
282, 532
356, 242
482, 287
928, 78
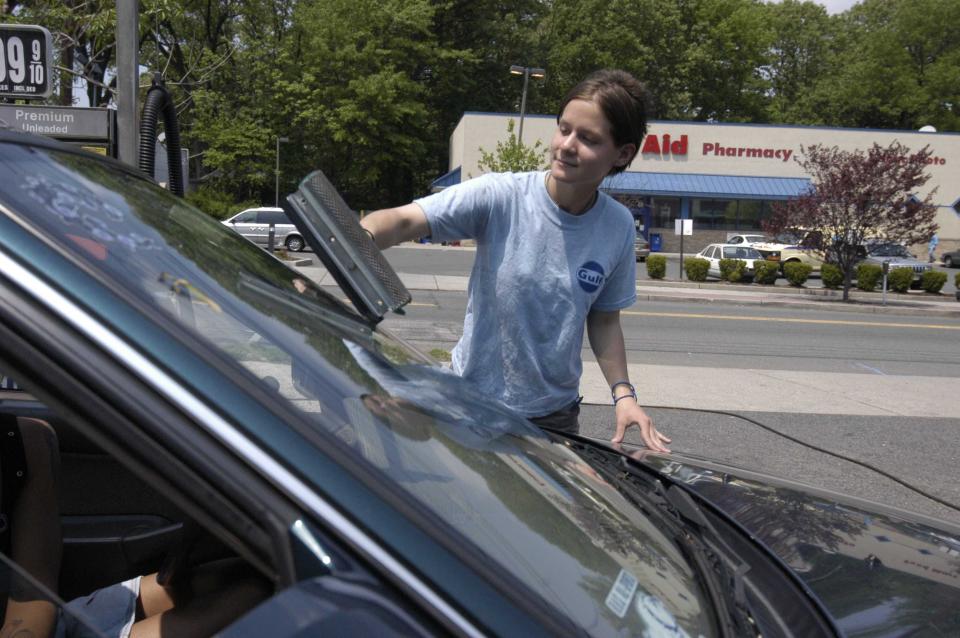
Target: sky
837, 6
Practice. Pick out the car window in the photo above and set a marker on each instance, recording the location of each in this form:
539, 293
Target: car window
246, 217
539, 506
737, 239
272, 217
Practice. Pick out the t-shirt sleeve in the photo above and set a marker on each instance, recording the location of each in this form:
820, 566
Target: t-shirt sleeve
620, 290
461, 211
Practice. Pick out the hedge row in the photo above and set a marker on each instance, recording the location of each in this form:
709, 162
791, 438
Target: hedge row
868, 276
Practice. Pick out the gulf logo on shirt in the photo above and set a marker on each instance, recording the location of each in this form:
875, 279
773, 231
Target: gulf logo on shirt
590, 276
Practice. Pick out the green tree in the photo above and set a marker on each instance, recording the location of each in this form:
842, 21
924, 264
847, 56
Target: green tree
798, 58
897, 65
857, 196
513, 155
644, 37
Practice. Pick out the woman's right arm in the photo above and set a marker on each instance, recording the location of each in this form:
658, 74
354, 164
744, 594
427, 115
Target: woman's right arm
391, 226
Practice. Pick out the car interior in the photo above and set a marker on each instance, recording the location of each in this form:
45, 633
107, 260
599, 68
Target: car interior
114, 524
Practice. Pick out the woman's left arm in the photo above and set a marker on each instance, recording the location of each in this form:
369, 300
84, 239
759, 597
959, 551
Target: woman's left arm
606, 341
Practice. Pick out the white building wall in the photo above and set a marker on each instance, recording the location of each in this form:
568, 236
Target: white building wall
748, 150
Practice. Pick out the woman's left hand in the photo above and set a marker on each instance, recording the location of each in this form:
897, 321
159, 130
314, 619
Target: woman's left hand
630, 413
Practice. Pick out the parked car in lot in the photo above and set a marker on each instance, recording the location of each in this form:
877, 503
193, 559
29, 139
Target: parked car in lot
792, 247
747, 240
715, 252
951, 259
208, 397
897, 256
641, 247
254, 224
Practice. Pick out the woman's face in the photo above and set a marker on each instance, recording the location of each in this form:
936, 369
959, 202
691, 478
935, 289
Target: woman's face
582, 150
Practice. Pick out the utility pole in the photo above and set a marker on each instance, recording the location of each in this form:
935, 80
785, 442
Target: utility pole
128, 81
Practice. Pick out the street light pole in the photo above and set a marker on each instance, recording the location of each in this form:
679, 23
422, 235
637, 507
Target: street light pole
527, 72
276, 171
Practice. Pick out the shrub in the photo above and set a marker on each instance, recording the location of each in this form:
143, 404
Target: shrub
868, 276
956, 280
766, 272
656, 266
797, 273
696, 268
217, 204
933, 280
831, 276
732, 270
899, 279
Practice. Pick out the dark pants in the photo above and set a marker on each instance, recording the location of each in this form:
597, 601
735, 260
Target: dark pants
563, 420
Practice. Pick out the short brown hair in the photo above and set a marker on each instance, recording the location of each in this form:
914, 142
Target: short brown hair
623, 100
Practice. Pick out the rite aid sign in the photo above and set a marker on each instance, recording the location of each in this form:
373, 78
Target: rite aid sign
665, 147
25, 61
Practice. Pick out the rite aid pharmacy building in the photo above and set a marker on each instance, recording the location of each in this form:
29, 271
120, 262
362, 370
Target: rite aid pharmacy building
725, 177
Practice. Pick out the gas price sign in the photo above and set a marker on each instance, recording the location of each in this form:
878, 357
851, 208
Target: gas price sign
25, 60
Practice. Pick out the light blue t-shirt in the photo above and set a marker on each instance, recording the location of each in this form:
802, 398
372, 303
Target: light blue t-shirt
538, 272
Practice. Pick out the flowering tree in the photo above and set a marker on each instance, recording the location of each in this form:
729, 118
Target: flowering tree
859, 196
513, 155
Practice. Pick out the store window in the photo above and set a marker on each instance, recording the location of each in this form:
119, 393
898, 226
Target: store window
665, 210
714, 214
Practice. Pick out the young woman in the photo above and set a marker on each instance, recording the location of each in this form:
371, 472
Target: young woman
554, 254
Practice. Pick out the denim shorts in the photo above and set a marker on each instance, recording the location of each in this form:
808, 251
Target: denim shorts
110, 612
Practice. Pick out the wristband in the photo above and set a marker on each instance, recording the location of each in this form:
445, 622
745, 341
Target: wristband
613, 387
632, 395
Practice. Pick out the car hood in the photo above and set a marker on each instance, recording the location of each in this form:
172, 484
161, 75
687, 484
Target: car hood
879, 571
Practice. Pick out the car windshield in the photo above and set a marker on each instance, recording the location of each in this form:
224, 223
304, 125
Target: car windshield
889, 250
787, 238
517, 497
740, 252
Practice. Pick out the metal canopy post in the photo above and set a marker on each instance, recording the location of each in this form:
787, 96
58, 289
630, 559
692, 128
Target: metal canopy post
128, 81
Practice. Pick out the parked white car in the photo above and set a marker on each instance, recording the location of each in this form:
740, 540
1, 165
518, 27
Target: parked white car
747, 240
715, 252
254, 224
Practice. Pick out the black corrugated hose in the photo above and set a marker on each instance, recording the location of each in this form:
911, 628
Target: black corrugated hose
159, 101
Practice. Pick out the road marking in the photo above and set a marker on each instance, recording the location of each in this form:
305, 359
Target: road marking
835, 322
871, 369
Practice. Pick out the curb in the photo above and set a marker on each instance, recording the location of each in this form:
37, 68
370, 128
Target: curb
831, 305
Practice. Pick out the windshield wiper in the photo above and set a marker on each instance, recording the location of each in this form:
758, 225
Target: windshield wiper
752, 589
680, 516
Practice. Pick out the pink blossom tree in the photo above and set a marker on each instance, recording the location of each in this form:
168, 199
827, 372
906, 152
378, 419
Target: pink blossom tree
858, 196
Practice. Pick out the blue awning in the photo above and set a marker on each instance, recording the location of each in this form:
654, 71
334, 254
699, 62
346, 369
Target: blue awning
692, 185
449, 179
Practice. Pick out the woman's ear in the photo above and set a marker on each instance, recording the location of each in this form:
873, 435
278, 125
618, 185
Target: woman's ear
626, 154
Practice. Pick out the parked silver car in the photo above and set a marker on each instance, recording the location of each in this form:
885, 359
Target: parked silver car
641, 247
897, 256
254, 224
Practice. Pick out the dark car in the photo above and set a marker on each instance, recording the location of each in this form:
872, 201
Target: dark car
206, 396
951, 259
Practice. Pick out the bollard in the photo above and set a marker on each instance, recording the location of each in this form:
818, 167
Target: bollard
271, 238
886, 269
